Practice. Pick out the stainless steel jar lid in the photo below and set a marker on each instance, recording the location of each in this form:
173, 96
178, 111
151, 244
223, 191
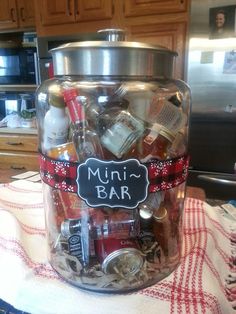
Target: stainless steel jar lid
112, 58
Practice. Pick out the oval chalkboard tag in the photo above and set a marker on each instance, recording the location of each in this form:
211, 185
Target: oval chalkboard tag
112, 183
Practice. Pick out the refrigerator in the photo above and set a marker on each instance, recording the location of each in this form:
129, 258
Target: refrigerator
211, 75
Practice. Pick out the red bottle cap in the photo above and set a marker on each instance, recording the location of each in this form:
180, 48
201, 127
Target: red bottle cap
74, 105
69, 94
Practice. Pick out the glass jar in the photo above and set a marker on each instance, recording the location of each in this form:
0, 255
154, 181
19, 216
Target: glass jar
114, 189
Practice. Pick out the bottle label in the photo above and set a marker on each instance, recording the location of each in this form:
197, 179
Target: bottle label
122, 134
96, 180
87, 148
52, 138
75, 246
57, 139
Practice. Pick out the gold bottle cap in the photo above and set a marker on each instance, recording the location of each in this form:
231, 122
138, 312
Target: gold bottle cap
55, 97
170, 136
160, 213
162, 130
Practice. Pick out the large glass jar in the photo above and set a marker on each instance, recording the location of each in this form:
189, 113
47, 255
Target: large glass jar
113, 133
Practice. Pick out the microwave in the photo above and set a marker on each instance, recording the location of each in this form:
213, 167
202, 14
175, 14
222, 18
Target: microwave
45, 44
18, 66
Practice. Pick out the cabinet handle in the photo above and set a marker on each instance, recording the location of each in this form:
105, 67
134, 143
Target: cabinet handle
69, 7
12, 12
18, 168
14, 143
22, 14
225, 180
76, 7
113, 8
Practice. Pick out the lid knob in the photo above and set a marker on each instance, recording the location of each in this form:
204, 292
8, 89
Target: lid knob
113, 34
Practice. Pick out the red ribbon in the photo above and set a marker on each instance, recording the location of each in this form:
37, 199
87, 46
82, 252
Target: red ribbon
162, 174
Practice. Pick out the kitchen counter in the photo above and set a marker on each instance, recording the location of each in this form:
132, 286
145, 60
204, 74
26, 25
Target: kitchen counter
19, 130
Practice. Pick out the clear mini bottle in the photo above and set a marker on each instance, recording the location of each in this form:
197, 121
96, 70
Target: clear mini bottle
56, 121
85, 140
122, 130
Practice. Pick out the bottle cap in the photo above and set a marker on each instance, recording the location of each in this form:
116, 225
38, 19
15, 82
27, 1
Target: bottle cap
69, 94
176, 99
167, 134
156, 127
160, 214
74, 105
145, 212
55, 97
160, 129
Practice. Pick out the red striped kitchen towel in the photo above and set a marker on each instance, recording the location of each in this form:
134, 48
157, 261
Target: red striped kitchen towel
204, 282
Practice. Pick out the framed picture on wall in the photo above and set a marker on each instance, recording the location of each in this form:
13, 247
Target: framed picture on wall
222, 22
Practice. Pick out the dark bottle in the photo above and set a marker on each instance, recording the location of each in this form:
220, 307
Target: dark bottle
167, 234
85, 140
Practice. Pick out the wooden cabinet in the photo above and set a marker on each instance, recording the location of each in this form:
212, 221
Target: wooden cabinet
90, 10
8, 19
159, 22
170, 35
18, 151
149, 7
26, 13
53, 12
15, 14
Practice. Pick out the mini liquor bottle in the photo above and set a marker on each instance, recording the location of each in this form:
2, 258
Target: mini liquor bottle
167, 114
56, 121
63, 152
179, 146
154, 144
85, 140
166, 234
151, 204
121, 132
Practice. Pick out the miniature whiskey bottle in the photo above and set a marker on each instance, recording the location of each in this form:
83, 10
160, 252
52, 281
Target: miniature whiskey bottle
85, 140
56, 121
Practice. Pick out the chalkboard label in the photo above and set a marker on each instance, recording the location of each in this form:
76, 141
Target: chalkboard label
112, 183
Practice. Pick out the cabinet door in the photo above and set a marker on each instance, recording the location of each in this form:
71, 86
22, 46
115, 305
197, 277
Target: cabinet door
90, 10
18, 142
54, 12
26, 13
146, 7
8, 14
169, 35
19, 160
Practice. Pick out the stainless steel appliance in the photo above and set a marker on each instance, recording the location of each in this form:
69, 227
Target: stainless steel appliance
211, 74
18, 65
